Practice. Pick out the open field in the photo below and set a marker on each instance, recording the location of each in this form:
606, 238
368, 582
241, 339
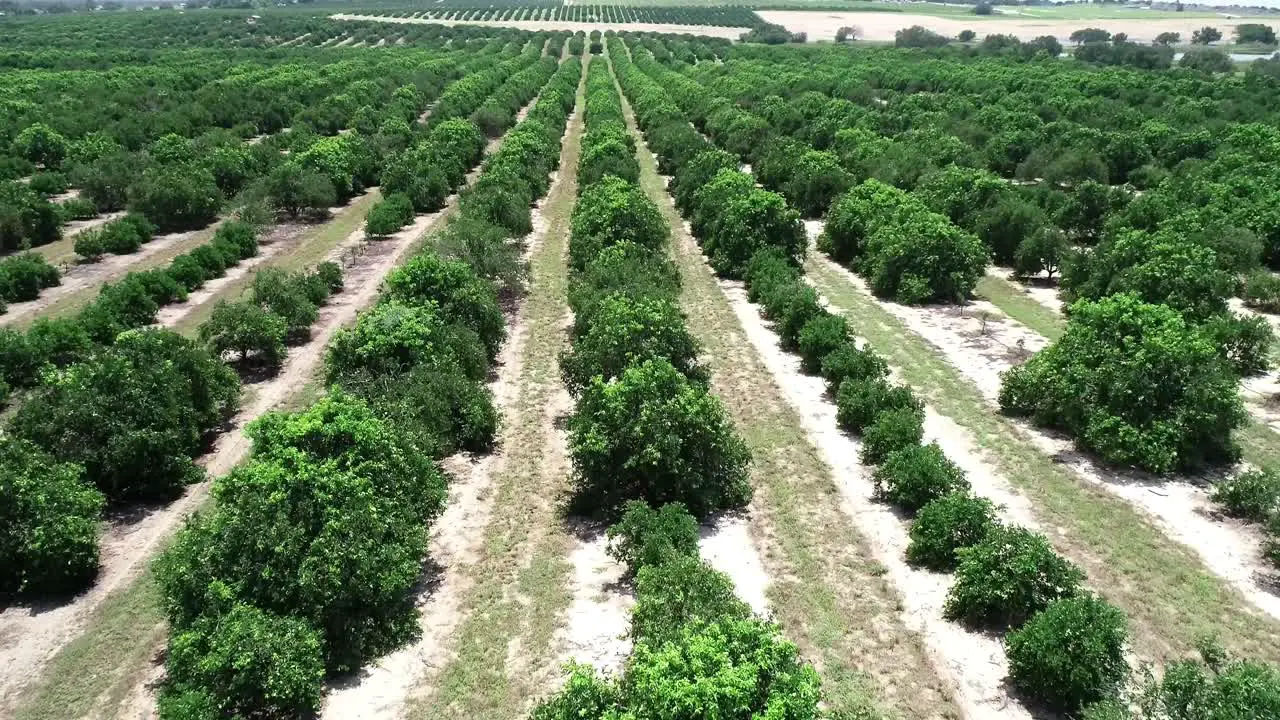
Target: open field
881, 26
446, 363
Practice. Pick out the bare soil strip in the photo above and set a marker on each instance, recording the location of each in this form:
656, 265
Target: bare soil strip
88, 656
826, 588
1169, 594
502, 609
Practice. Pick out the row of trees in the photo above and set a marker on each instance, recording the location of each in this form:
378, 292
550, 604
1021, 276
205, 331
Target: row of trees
407, 386
1191, 272
654, 451
113, 413
1007, 578
1066, 648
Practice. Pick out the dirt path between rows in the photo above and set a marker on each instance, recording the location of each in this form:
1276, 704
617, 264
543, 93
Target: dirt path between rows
494, 615
381, 690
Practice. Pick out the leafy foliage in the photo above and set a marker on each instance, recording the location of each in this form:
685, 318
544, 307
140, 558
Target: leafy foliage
652, 434
946, 524
1071, 654
1007, 578
645, 537
1134, 383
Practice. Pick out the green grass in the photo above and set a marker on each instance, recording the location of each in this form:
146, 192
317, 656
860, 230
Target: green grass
1170, 597
122, 633
520, 584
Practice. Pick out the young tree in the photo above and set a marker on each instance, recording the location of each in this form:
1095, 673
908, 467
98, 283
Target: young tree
1206, 35
654, 435
244, 328
966, 36
1135, 383
1168, 38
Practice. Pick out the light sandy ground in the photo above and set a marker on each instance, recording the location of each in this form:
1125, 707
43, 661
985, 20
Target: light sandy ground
1178, 506
78, 278
726, 545
972, 663
881, 26
549, 25
600, 613
1041, 291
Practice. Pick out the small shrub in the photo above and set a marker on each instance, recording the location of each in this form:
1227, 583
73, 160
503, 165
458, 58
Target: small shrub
284, 294
158, 285
1253, 494
801, 306
24, 275
77, 208
330, 273
211, 260
893, 430
682, 592
240, 235
249, 663
1007, 578
850, 362
20, 361
89, 246
1262, 291
188, 271
1071, 654
584, 695
819, 338
860, 402
916, 475
48, 183
652, 434
946, 524
645, 537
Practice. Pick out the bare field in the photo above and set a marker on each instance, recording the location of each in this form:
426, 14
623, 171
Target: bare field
546, 25
881, 26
